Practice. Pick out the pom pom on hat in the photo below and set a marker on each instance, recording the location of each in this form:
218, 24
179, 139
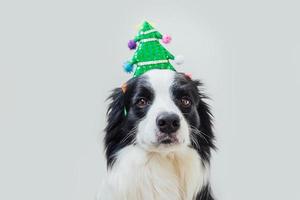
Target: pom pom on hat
179, 60
131, 44
166, 39
128, 67
188, 75
124, 88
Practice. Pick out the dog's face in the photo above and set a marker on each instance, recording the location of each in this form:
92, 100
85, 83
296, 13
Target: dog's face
167, 101
160, 111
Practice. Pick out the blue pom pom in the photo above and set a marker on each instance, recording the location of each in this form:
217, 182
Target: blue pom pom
128, 67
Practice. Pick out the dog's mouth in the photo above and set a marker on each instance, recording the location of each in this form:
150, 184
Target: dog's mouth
168, 139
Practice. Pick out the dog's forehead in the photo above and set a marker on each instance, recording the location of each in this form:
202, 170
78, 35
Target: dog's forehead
160, 80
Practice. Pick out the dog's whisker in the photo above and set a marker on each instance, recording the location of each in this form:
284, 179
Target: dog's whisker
195, 141
193, 127
200, 133
130, 134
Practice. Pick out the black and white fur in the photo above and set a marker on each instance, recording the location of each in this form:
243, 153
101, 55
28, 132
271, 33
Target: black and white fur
145, 163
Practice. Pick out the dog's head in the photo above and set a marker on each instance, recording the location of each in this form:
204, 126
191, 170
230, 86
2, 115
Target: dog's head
160, 111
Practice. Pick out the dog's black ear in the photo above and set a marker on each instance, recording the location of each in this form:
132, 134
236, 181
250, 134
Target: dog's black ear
206, 124
115, 112
115, 120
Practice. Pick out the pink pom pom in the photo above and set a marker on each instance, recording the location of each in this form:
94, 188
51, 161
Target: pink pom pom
166, 38
188, 75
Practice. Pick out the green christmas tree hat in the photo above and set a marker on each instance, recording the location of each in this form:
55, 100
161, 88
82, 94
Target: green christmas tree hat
150, 54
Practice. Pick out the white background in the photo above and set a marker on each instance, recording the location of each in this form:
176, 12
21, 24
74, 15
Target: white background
59, 59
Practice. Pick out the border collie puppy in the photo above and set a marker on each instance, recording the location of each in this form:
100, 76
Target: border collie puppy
158, 140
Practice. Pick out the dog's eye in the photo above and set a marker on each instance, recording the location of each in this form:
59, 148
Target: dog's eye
185, 102
142, 102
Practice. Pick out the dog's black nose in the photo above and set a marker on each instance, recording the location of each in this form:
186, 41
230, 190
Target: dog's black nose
168, 122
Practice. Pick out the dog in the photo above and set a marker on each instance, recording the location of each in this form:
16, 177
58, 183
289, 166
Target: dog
158, 140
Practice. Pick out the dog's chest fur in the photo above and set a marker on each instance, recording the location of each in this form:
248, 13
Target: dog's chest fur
153, 176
